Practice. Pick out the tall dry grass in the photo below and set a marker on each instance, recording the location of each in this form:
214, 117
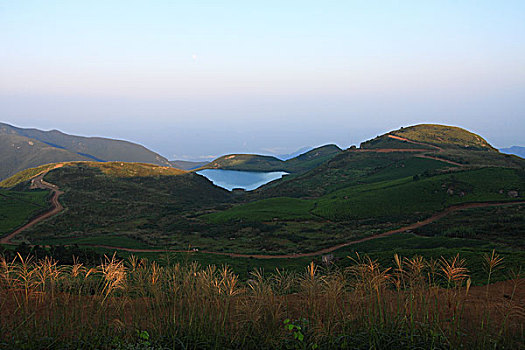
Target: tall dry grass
418, 303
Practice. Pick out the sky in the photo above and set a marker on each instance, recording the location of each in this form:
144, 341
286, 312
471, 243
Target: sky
198, 79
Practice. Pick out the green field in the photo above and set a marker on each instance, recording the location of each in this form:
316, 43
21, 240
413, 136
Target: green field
392, 200
504, 225
16, 208
266, 210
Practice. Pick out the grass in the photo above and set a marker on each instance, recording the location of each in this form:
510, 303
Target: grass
115, 169
504, 225
383, 249
405, 197
140, 304
149, 209
24, 175
107, 239
444, 136
17, 207
266, 210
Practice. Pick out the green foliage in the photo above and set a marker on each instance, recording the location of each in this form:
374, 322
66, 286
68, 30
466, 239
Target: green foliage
299, 330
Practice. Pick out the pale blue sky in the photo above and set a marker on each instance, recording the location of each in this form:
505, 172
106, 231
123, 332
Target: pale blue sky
198, 78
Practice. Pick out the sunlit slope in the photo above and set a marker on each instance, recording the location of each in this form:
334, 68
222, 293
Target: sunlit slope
118, 169
444, 136
135, 200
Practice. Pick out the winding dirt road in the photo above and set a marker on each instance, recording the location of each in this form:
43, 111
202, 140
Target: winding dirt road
326, 250
435, 149
38, 182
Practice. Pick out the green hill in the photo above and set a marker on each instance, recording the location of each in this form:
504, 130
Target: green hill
26, 148
117, 169
141, 202
254, 162
247, 162
443, 136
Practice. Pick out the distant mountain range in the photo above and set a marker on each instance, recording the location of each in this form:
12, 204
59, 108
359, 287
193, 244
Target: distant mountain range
516, 150
25, 148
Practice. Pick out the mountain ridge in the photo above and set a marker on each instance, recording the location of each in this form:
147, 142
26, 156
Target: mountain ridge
29, 147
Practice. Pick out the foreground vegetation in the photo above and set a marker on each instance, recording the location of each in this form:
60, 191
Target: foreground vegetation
137, 304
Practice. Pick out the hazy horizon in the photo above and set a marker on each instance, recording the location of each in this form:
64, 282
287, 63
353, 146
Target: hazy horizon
194, 80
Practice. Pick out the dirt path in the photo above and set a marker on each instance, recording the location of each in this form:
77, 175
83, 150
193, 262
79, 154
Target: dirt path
390, 150
326, 250
38, 182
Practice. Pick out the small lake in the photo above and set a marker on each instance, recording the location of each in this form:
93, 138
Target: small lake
248, 180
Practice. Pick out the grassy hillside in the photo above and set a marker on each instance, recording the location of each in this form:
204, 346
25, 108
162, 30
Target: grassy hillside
141, 201
505, 225
266, 210
17, 207
444, 136
118, 169
312, 158
394, 201
25, 148
397, 199
351, 167
247, 162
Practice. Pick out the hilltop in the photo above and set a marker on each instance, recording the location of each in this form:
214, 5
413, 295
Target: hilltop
26, 148
430, 136
115, 169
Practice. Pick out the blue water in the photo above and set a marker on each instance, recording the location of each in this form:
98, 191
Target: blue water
248, 180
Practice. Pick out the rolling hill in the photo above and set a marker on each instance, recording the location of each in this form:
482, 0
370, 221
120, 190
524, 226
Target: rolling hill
26, 148
254, 162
